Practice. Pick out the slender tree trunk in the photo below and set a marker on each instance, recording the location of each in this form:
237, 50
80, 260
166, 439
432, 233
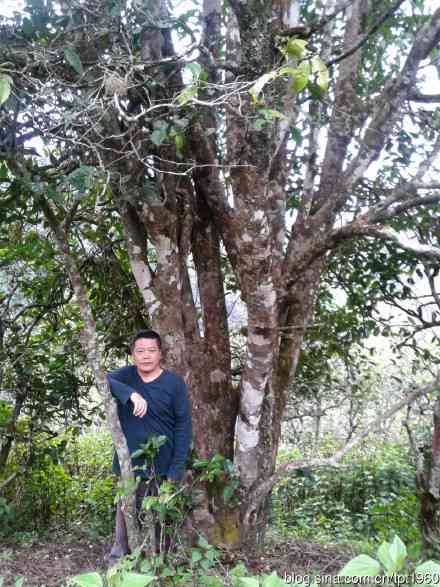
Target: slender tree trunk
92, 350
9, 432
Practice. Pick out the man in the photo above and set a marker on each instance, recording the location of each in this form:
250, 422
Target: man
152, 401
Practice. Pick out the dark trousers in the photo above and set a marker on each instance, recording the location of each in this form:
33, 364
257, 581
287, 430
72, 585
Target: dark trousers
162, 537
150, 487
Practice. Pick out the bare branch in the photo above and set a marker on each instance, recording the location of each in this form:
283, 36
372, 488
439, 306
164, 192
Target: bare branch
416, 96
402, 241
260, 492
387, 107
367, 35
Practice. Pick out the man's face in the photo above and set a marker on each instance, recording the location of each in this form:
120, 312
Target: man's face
146, 356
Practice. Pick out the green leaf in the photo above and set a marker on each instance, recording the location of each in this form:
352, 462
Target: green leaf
158, 137
186, 94
288, 70
81, 178
397, 552
195, 69
136, 580
248, 582
239, 570
179, 141
270, 114
301, 77
319, 68
28, 27
87, 580
4, 174
196, 555
383, 554
18, 582
296, 47
209, 581
260, 83
427, 572
260, 123
5, 88
227, 493
415, 550
73, 59
273, 580
116, 10
203, 543
139, 452
361, 566
296, 135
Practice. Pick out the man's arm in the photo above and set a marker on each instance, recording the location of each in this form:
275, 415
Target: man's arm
182, 433
122, 391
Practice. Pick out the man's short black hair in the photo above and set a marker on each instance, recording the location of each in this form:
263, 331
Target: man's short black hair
146, 334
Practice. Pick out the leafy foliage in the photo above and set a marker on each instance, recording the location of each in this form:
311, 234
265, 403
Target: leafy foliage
373, 491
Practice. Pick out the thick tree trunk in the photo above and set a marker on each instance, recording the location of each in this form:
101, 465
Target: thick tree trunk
429, 491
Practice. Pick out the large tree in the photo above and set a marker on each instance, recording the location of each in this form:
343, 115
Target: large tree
245, 137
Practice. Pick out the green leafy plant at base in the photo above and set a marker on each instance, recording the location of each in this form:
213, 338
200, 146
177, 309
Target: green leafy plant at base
393, 562
220, 475
195, 571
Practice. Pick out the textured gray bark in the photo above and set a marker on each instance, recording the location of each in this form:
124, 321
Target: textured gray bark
92, 350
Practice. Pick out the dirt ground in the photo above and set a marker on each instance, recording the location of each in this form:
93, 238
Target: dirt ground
47, 563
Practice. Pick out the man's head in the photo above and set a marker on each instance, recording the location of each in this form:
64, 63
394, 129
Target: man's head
148, 334
146, 352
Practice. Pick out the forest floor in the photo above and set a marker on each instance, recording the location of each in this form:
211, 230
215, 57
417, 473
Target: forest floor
48, 563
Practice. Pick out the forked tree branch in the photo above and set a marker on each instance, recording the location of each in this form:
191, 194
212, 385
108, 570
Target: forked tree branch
261, 491
367, 35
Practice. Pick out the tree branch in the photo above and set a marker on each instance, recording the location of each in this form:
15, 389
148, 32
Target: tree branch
389, 234
416, 96
388, 105
367, 35
259, 493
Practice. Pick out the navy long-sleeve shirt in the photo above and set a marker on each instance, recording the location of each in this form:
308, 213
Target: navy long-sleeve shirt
168, 413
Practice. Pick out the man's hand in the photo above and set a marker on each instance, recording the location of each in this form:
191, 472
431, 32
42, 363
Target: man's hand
139, 404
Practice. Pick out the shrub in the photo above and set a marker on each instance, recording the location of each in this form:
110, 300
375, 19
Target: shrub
68, 483
373, 491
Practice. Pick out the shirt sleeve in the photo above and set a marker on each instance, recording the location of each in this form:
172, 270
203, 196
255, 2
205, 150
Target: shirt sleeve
121, 384
182, 432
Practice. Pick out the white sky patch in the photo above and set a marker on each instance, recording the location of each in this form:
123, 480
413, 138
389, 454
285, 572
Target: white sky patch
8, 7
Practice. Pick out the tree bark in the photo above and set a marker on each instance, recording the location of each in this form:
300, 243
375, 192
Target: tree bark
429, 490
91, 347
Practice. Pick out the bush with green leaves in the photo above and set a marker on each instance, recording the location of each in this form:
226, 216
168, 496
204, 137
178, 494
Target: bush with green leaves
88, 461
201, 567
68, 483
372, 491
40, 496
